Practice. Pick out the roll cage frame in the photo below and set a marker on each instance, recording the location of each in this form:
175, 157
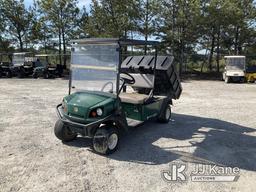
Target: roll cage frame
122, 43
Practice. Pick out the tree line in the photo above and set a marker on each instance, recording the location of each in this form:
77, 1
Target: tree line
183, 26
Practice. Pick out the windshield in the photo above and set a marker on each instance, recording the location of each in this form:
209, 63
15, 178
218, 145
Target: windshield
235, 63
18, 59
23, 59
41, 62
94, 67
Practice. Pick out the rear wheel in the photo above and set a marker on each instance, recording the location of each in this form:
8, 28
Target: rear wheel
105, 140
20, 74
62, 131
166, 116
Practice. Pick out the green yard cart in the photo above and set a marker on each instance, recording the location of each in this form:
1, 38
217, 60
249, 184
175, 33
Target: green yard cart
23, 64
111, 89
46, 67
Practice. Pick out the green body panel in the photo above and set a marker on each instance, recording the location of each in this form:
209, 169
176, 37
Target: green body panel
142, 112
80, 104
132, 111
151, 110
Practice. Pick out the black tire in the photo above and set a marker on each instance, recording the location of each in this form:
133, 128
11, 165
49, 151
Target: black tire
9, 74
20, 74
227, 79
62, 132
46, 75
166, 115
243, 80
34, 75
105, 140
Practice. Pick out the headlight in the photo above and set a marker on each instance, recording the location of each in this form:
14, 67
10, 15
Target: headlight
64, 106
99, 111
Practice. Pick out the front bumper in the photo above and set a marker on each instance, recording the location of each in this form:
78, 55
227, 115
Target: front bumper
83, 129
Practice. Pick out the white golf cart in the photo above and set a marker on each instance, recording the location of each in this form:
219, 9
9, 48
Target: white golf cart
235, 69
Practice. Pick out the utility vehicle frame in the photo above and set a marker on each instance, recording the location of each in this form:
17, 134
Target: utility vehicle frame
45, 68
23, 64
140, 88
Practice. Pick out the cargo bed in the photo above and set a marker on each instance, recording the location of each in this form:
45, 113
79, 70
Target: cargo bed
167, 81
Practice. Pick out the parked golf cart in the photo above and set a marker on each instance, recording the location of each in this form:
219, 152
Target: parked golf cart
5, 65
23, 64
45, 68
234, 69
251, 74
5, 70
108, 96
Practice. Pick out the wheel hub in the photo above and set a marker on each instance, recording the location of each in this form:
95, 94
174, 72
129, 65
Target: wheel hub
167, 114
112, 141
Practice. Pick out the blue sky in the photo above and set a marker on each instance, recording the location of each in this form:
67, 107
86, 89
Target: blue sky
81, 3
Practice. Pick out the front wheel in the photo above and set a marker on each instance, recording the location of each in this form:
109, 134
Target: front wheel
243, 80
166, 116
105, 140
8, 74
21, 74
62, 132
227, 79
34, 75
46, 75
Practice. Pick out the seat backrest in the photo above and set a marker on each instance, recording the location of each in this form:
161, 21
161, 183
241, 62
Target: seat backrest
143, 80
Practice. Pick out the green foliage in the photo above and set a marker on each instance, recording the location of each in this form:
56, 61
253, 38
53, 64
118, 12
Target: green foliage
17, 18
61, 16
112, 18
185, 27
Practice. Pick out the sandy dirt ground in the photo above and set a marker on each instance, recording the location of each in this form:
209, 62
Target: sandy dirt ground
212, 123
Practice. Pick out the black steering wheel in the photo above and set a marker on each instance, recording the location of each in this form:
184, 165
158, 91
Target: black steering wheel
127, 78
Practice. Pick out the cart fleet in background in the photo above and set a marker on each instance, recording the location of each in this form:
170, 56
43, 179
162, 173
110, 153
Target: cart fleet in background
26, 64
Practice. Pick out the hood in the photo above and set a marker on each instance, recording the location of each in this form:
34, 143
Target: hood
80, 103
39, 68
235, 73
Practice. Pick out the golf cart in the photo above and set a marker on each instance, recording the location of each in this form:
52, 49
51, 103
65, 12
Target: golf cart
234, 69
5, 65
109, 92
23, 64
45, 68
